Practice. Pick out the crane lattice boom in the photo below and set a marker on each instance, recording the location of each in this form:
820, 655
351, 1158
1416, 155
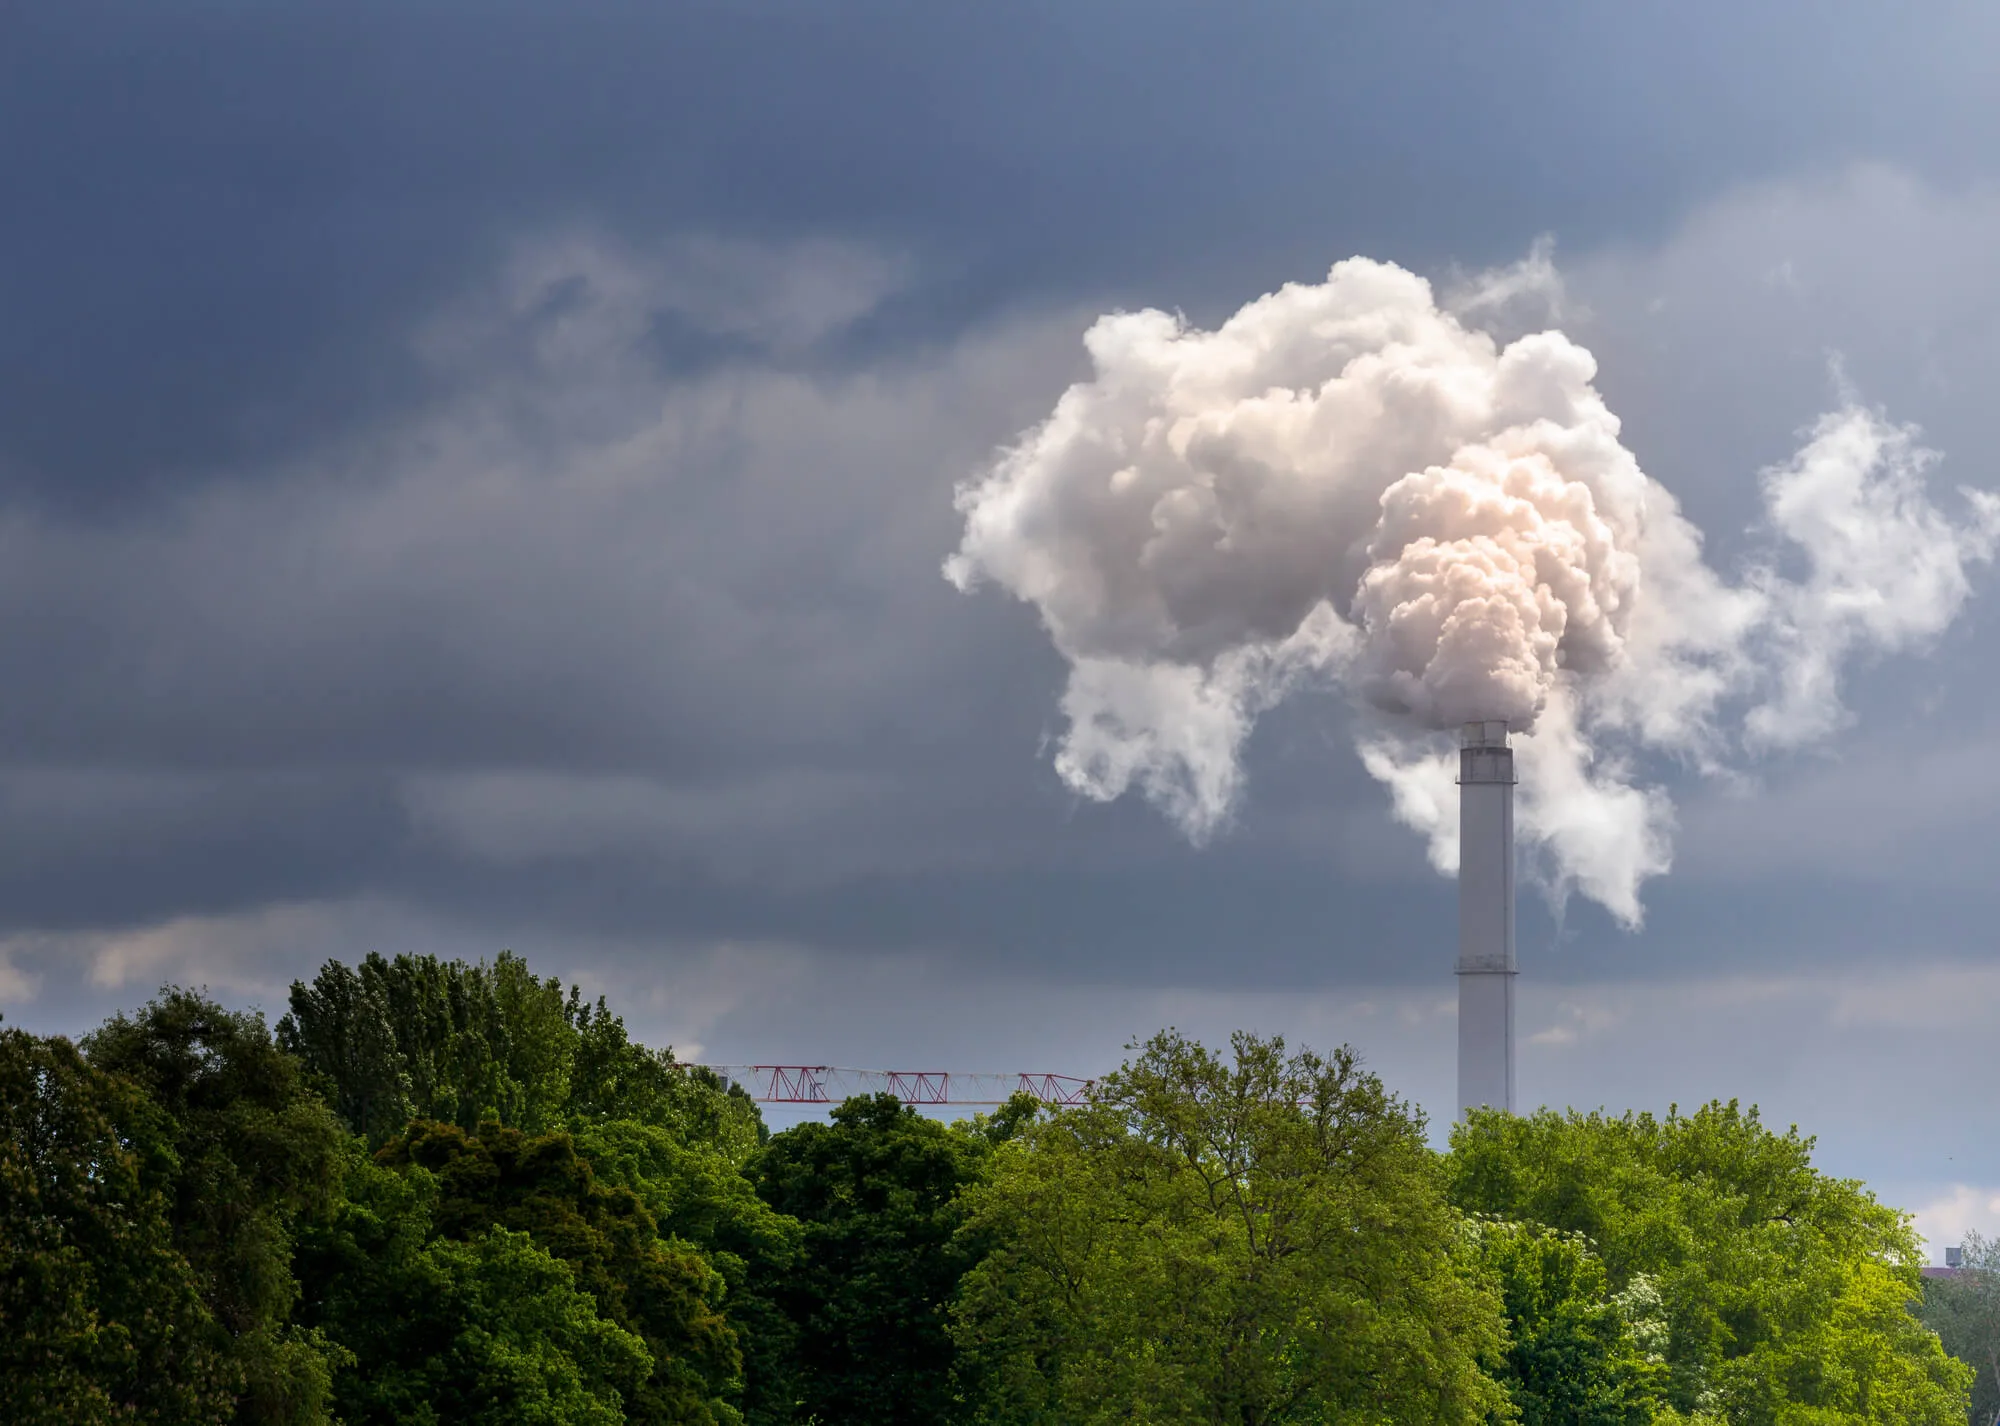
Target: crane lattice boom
829, 1084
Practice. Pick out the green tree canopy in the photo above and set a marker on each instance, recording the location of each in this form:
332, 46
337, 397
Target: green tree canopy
643, 1282
1261, 1239
530, 1349
1964, 1310
491, 1329
877, 1191
454, 1193
1572, 1358
697, 1195
255, 1152
101, 1318
416, 1037
1784, 1291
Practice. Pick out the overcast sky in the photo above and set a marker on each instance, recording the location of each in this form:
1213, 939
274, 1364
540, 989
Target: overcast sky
477, 477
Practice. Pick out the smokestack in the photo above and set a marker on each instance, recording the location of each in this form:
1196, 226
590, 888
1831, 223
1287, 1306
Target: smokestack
1486, 967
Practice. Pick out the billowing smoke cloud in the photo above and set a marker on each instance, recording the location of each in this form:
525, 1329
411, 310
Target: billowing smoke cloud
1350, 483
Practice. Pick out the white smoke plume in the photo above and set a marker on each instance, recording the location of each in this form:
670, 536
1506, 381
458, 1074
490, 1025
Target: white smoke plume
1349, 482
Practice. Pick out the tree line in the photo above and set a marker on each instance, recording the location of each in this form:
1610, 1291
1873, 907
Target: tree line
439, 1192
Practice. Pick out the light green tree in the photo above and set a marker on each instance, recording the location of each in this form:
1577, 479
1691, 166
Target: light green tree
1244, 1241
1784, 1293
531, 1349
1573, 1357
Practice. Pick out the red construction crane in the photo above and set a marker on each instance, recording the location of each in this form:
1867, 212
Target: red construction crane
829, 1084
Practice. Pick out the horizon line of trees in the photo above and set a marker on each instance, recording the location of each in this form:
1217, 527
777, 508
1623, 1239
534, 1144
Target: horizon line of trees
442, 1192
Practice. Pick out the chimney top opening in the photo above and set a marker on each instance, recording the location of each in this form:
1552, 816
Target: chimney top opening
1491, 733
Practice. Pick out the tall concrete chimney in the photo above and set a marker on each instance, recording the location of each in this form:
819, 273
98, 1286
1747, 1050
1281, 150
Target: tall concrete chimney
1486, 968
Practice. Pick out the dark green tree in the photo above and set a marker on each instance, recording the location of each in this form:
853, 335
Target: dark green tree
491, 1329
878, 1192
400, 1045
256, 1152
696, 1195
662, 1291
343, 1027
101, 1319
418, 1037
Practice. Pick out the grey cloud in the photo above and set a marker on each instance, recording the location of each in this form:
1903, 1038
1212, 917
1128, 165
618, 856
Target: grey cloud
537, 570
224, 218
1871, 270
596, 648
1901, 810
599, 646
105, 845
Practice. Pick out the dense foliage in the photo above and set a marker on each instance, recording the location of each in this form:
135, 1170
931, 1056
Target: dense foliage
1575, 1354
99, 1312
1263, 1240
446, 1193
256, 1153
880, 1195
1964, 1309
1777, 1294
418, 1038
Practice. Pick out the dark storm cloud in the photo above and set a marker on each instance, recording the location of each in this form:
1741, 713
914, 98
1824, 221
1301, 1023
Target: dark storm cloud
86, 848
223, 218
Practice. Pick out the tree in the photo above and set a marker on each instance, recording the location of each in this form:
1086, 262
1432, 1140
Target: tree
255, 1152
645, 1283
532, 1349
343, 1029
877, 1191
101, 1319
616, 1079
491, 1329
1784, 1292
1258, 1240
1572, 1358
417, 1037
695, 1193
1965, 1312
420, 1037
404, 1046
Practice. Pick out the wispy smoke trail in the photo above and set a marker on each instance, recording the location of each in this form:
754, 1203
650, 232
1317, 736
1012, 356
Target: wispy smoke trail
1349, 482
